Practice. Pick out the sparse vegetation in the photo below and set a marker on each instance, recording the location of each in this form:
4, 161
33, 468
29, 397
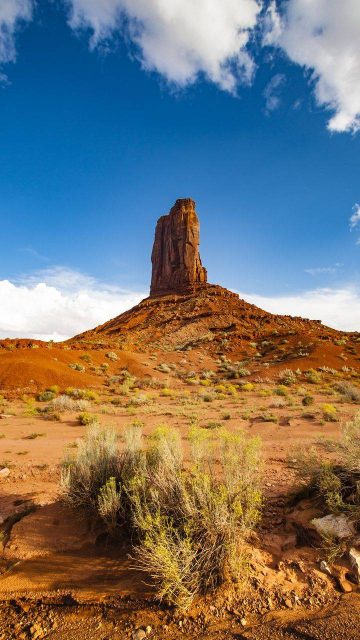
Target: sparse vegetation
329, 412
348, 391
85, 418
189, 526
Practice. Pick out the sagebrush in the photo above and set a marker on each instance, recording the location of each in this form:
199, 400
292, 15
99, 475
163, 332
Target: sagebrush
188, 524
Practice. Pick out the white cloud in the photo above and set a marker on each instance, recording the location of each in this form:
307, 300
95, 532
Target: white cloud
271, 92
355, 218
179, 39
12, 13
324, 37
337, 308
315, 271
58, 303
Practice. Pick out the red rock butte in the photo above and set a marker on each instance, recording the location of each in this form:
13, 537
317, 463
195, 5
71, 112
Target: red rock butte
176, 262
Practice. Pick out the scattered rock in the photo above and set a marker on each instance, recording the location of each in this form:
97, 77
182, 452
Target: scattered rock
344, 585
138, 634
5, 472
335, 526
354, 556
324, 567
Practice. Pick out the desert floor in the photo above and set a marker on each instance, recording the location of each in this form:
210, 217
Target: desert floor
62, 578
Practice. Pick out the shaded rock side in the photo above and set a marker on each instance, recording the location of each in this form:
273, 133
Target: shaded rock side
176, 263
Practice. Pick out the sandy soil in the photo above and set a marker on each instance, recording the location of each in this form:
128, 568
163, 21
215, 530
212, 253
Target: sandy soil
51, 554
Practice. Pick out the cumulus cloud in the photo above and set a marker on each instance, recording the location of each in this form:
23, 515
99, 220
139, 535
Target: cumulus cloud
355, 218
338, 308
272, 92
323, 36
179, 39
58, 303
12, 14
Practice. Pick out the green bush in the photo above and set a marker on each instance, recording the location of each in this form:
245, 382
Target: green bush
112, 356
188, 526
46, 396
287, 377
307, 401
85, 418
329, 412
348, 391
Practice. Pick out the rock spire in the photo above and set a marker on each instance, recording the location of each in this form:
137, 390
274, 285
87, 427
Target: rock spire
176, 263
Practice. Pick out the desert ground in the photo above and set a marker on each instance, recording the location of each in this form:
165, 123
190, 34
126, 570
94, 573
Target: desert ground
63, 577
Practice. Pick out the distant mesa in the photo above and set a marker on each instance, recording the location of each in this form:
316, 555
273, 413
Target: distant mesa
176, 262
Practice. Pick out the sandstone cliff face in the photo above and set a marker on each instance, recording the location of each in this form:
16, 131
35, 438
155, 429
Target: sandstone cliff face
176, 263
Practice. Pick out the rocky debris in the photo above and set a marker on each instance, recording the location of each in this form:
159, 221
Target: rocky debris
338, 527
176, 263
324, 567
354, 556
5, 472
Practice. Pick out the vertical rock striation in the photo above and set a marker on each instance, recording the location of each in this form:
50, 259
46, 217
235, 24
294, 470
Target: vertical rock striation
176, 263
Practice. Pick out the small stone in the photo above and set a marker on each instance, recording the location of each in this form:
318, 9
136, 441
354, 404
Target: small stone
324, 567
138, 634
148, 630
335, 526
243, 622
344, 585
5, 472
354, 556
288, 603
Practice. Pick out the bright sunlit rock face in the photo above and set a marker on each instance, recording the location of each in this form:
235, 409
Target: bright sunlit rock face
176, 262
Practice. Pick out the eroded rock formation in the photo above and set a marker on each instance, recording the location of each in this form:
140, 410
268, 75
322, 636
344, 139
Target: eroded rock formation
176, 263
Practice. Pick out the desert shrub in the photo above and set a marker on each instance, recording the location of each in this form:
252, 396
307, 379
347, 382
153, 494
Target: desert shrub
312, 376
307, 401
336, 482
139, 400
164, 368
329, 412
207, 397
46, 396
248, 386
81, 394
95, 462
287, 377
213, 425
166, 392
188, 526
65, 403
109, 504
348, 391
85, 418
278, 403
281, 390
77, 366
85, 357
112, 356
269, 417
54, 389
340, 342
329, 370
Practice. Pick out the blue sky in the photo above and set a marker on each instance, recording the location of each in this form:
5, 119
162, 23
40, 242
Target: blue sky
103, 126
